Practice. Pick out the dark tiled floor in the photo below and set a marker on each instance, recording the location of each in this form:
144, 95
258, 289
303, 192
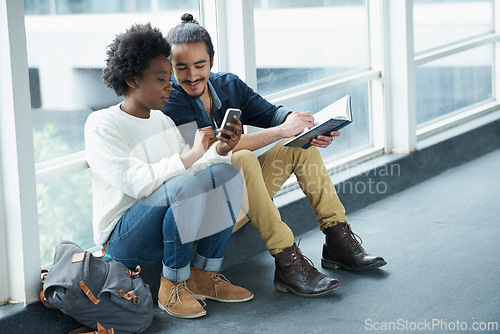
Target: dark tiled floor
441, 241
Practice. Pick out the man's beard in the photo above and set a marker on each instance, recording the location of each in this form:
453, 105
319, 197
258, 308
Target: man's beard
197, 95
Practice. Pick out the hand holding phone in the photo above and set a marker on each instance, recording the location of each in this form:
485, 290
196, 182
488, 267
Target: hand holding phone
228, 118
230, 131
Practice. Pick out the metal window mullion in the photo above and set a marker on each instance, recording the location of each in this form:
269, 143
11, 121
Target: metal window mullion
20, 221
378, 49
52, 7
457, 118
450, 50
208, 19
56, 168
235, 35
315, 90
496, 51
236, 31
399, 70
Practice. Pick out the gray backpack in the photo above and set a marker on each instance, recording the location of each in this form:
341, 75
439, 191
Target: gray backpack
93, 291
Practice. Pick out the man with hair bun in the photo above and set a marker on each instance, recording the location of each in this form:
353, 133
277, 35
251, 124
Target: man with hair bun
203, 97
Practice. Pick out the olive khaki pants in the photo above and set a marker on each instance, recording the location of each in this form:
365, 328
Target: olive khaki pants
264, 176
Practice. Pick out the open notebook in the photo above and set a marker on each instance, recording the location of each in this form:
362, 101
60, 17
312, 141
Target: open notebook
331, 118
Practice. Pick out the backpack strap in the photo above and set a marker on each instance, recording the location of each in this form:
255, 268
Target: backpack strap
44, 301
100, 330
130, 296
89, 293
134, 273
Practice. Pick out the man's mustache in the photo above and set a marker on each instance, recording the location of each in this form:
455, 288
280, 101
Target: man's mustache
195, 81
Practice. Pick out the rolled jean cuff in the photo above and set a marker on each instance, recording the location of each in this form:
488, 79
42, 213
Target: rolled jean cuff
176, 275
207, 264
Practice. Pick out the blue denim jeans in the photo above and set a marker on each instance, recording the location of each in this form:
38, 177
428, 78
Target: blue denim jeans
164, 225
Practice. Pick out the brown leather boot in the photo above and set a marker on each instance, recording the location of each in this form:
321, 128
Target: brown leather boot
176, 299
212, 285
294, 272
343, 249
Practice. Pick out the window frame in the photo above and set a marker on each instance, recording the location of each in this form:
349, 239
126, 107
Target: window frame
392, 111
463, 115
19, 236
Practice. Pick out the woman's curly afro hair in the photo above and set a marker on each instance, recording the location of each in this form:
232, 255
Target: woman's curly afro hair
130, 53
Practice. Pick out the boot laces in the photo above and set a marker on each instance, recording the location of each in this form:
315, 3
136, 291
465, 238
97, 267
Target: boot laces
304, 264
217, 279
353, 239
175, 294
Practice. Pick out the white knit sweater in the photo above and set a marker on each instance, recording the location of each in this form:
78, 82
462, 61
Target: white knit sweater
131, 157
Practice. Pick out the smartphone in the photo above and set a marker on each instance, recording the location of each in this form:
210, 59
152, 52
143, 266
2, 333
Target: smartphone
228, 118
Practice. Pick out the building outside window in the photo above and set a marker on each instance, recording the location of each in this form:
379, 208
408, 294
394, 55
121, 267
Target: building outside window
459, 80
307, 42
298, 42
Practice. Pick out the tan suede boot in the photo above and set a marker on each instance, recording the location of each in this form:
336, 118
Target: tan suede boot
212, 285
176, 299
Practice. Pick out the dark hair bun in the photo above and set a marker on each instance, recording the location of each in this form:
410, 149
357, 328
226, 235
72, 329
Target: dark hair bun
188, 18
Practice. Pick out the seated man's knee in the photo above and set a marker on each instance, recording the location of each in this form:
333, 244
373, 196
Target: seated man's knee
299, 156
312, 150
244, 160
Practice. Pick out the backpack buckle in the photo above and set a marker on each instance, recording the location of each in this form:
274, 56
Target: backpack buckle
89, 293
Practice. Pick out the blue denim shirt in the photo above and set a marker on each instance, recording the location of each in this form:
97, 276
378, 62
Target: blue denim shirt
230, 92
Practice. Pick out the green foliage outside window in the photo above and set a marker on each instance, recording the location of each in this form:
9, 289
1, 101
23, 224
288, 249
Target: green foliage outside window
65, 203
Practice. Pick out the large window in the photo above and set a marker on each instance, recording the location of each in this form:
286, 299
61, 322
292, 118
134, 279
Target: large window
454, 82
301, 45
65, 212
457, 64
308, 53
358, 133
71, 7
298, 42
441, 22
66, 52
